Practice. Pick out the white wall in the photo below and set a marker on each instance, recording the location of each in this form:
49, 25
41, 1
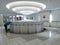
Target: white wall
40, 16
56, 15
46, 14
35, 17
1, 20
55, 18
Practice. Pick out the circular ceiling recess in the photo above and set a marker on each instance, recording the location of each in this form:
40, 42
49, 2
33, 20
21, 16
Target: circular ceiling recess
26, 7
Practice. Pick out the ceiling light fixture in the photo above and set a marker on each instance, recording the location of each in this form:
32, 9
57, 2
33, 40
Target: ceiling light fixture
26, 7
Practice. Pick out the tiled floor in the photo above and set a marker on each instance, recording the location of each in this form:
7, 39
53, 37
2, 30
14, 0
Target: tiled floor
42, 36
26, 39
35, 39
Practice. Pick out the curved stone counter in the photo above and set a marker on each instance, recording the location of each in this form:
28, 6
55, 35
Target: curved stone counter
26, 26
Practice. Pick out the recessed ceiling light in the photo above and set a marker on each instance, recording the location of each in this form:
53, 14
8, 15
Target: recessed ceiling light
26, 12
26, 7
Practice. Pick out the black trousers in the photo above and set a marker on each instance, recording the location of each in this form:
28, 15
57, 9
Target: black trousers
6, 28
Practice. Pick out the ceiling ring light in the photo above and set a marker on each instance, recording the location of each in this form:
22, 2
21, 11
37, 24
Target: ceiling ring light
26, 7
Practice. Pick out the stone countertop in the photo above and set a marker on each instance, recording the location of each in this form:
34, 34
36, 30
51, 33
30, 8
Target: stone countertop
27, 21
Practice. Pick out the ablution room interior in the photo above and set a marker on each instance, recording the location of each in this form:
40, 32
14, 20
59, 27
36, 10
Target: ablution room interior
29, 22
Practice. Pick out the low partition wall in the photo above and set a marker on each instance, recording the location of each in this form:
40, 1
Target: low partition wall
26, 27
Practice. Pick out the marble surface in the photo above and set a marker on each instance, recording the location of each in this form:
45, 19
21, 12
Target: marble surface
26, 27
42, 38
27, 21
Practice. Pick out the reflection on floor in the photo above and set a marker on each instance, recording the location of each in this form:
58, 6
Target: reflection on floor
42, 36
26, 39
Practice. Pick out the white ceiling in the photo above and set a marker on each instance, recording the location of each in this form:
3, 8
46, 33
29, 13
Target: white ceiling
51, 4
